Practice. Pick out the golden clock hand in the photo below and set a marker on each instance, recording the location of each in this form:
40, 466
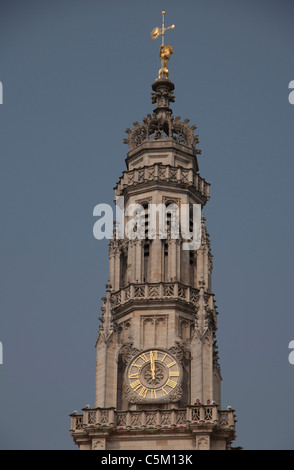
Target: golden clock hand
152, 365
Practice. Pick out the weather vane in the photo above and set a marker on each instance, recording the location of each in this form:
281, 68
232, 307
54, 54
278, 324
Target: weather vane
165, 51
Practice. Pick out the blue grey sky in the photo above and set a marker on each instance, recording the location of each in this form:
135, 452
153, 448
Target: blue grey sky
75, 75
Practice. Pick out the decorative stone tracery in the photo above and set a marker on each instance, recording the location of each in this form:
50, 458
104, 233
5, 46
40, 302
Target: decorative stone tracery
161, 125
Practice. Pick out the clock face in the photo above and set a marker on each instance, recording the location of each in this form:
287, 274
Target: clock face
153, 375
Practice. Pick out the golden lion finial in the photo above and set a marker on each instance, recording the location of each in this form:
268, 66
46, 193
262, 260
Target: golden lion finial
165, 51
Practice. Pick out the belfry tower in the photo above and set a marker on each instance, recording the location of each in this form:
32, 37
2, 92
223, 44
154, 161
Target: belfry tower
158, 380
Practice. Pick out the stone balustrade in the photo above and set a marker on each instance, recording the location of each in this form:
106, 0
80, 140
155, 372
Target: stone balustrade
163, 173
156, 419
149, 291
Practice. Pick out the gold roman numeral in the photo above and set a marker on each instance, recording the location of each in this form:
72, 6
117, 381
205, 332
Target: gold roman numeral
171, 364
153, 393
144, 357
137, 365
135, 385
163, 389
171, 383
143, 392
134, 376
174, 374
162, 360
154, 354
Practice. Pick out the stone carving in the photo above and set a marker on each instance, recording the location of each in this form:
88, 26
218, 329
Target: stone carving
208, 414
176, 394
151, 419
161, 124
182, 292
177, 175
166, 419
136, 419
180, 417
106, 320
216, 364
163, 97
115, 299
160, 418
104, 416
195, 414
177, 352
153, 291
194, 295
151, 173
185, 175
128, 352
224, 419
202, 443
159, 375
173, 129
92, 417
121, 419
127, 293
168, 290
131, 396
79, 422
139, 291
98, 444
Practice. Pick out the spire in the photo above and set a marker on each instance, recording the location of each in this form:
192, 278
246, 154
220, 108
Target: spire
162, 125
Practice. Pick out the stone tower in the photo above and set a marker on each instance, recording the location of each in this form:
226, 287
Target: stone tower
158, 380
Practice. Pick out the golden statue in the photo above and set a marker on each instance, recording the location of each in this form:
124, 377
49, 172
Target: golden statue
165, 51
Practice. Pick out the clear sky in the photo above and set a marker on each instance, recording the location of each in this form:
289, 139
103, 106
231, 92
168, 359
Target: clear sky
75, 75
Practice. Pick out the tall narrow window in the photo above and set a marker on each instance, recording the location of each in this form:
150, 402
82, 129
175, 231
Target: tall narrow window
168, 222
191, 267
146, 220
165, 260
146, 246
191, 252
146, 260
123, 269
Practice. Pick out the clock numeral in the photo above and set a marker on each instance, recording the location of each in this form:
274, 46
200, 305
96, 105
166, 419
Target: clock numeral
144, 357
143, 392
135, 385
162, 360
154, 354
171, 364
137, 365
171, 383
153, 394
135, 376
163, 389
174, 374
